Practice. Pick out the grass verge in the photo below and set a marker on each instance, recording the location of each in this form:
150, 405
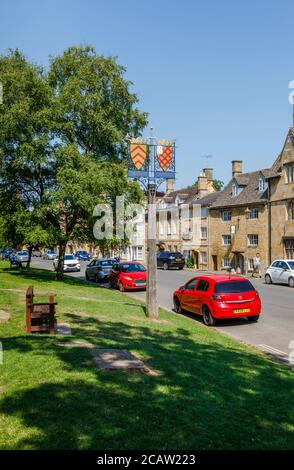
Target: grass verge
212, 392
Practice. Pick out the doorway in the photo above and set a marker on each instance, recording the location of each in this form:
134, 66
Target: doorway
214, 263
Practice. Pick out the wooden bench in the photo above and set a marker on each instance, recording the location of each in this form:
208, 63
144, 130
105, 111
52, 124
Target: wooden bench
39, 316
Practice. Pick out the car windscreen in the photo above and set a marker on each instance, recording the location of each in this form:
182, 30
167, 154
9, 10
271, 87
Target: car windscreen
22, 253
132, 268
233, 287
291, 264
107, 263
69, 257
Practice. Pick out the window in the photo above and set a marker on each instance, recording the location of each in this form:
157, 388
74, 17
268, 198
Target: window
226, 262
250, 264
261, 184
252, 240
203, 212
139, 252
203, 231
227, 239
233, 287
253, 214
289, 248
203, 257
291, 210
202, 285
290, 173
191, 285
226, 216
235, 189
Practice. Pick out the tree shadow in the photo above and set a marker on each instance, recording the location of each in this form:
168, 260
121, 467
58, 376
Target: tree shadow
207, 396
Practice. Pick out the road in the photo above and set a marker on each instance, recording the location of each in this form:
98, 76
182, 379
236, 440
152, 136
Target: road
272, 333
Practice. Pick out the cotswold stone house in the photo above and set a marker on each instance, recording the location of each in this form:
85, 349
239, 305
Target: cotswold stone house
189, 231
281, 203
255, 214
239, 221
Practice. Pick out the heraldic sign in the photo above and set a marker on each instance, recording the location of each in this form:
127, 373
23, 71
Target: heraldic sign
152, 160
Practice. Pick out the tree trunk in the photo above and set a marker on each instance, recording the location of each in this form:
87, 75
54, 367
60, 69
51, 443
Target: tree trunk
61, 253
30, 257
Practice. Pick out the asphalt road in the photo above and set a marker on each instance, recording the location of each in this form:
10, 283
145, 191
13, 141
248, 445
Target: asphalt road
273, 332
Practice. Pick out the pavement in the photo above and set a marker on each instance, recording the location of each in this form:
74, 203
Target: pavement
274, 331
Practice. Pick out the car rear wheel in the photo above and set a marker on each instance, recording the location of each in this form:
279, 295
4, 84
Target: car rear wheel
291, 282
253, 319
177, 305
208, 319
165, 266
121, 287
268, 279
87, 277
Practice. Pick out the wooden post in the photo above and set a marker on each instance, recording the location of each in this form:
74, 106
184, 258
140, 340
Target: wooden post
51, 314
151, 291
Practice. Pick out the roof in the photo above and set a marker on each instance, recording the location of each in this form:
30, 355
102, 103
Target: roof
248, 195
208, 199
184, 194
220, 277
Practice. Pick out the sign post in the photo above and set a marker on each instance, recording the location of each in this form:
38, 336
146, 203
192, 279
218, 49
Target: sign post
151, 162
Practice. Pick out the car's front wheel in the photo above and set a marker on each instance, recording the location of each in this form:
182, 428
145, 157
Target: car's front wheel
268, 279
208, 319
291, 282
253, 318
165, 266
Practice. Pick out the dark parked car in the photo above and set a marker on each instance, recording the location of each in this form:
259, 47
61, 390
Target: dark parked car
170, 259
82, 255
98, 270
6, 253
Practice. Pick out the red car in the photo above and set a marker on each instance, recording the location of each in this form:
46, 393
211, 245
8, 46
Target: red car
128, 276
218, 297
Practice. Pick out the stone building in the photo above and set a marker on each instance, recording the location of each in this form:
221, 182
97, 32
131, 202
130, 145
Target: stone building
179, 219
238, 221
281, 202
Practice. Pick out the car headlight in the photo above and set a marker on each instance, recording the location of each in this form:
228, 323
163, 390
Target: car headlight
128, 278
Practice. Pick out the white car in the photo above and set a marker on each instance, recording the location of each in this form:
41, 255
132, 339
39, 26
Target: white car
281, 271
71, 263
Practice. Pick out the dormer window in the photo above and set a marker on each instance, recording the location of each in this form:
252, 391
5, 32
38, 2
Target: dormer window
235, 189
261, 184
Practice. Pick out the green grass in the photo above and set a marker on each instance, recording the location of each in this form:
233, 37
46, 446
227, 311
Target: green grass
212, 392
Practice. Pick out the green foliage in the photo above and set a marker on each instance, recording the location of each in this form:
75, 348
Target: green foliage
190, 262
218, 185
63, 145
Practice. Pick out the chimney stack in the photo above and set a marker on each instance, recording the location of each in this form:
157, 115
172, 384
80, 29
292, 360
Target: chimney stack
202, 183
170, 186
208, 172
237, 168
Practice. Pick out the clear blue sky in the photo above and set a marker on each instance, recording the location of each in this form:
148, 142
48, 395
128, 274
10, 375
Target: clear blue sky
213, 75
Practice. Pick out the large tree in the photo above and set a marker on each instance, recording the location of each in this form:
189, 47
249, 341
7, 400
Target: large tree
63, 143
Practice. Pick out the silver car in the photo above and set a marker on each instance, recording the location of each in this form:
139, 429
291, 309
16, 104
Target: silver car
22, 256
281, 271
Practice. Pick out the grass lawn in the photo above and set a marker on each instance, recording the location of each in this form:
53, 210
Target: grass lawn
212, 392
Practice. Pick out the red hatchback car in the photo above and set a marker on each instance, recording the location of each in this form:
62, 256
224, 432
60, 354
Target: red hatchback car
128, 276
218, 296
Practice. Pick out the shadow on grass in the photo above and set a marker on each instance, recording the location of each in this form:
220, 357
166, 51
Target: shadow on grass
208, 396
